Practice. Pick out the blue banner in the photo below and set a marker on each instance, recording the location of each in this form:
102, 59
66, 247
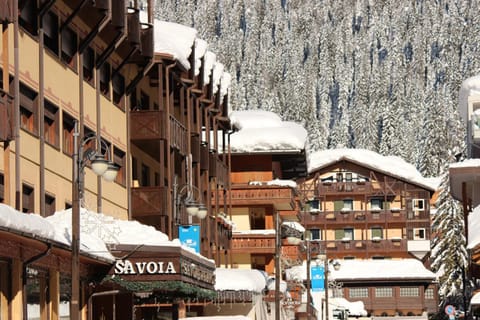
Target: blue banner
317, 278
189, 236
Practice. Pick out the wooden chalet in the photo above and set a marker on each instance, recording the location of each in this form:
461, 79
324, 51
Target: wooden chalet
359, 206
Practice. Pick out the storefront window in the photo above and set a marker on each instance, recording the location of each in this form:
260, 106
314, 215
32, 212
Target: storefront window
65, 294
37, 290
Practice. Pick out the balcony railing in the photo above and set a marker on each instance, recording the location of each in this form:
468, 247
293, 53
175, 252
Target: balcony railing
368, 246
357, 217
6, 116
149, 201
282, 198
178, 136
147, 125
253, 243
218, 169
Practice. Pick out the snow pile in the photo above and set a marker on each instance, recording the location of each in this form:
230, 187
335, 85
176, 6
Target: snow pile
391, 165
355, 309
264, 131
239, 279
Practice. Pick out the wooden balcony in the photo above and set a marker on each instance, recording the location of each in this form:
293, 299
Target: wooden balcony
357, 217
354, 187
282, 198
178, 136
365, 248
218, 169
6, 116
253, 243
147, 125
149, 201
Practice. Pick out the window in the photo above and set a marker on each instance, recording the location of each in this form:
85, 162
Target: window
418, 204
69, 47
49, 205
37, 281
344, 234
50, 28
339, 177
28, 203
376, 233
28, 109
419, 234
105, 78
315, 234
383, 292
376, 204
118, 87
134, 169
145, 175
313, 205
28, 17
51, 124
68, 130
348, 204
88, 64
409, 292
119, 159
429, 293
348, 177
358, 292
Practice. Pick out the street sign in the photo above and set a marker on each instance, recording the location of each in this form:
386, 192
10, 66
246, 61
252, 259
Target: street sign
318, 278
450, 310
189, 236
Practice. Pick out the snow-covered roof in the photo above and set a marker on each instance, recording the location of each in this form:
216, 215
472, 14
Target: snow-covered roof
96, 230
467, 163
174, 39
370, 270
177, 41
473, 227
390, 165
263, 131
36, 226
469, 87
239, 279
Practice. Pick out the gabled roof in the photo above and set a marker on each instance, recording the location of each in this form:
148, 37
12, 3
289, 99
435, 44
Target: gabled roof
389, 165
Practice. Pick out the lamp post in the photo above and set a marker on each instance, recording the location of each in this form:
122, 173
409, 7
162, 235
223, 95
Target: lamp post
101, 167
194, 206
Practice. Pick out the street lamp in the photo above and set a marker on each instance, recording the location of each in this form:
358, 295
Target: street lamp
101, 167
185, 195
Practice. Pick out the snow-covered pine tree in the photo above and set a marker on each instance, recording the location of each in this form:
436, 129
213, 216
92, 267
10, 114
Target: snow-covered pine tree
449, 254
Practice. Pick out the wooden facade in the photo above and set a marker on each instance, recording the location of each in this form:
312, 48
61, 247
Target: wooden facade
160, 123
356, 211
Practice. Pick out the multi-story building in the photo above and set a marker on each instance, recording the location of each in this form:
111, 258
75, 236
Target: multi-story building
159, 115
267, 155
361, 205
465, 183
